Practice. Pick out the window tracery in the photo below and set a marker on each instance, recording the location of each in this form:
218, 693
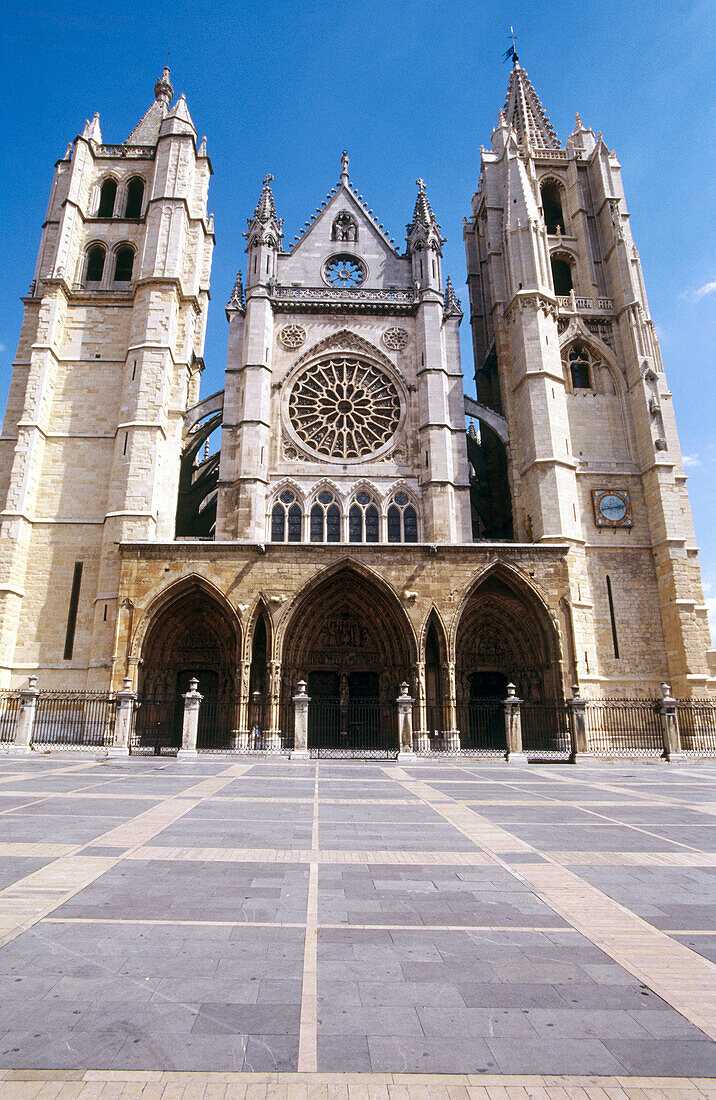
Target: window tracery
363, 519
286, 518
325, 518
344, 408
292, 336
402, 519
580, 367
343, 272
395, 338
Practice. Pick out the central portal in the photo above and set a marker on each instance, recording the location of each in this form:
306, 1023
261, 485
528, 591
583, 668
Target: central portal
348, 640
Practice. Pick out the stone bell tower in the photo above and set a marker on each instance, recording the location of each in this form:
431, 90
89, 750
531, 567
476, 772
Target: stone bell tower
108, 362
566, 353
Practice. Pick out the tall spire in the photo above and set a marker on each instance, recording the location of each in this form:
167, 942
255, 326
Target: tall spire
525, 114
163, 90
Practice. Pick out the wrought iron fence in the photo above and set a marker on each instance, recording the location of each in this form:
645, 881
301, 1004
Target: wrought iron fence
74, 719
545, 730
362, 729
9, 711
624, 727
260, 728
697, 725
157, 726
480, 730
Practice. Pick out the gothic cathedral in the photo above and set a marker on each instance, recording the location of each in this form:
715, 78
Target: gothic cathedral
347, 531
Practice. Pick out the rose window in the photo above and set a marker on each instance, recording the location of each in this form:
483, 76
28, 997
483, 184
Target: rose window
395, 338
344, 408
344, 272
292, 336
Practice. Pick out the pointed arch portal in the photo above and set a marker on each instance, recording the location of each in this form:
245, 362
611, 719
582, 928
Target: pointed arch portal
192, 634
349, 639
505, 634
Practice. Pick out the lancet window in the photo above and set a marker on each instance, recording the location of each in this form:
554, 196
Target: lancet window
402, 520
363, 519
286, 518
325, 520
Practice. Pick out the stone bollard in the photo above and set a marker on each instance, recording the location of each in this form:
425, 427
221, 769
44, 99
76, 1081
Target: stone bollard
513, 727
670, 726
26, 717
405, 724
190, 726
126, 699
579, 744
300, 723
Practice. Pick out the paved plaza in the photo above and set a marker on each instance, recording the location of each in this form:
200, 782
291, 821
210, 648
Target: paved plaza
210, 928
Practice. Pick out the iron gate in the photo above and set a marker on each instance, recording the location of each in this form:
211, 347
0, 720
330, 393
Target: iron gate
363, 729
545, 730
157, 726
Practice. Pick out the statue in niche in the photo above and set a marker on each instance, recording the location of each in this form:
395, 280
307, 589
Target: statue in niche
344, 227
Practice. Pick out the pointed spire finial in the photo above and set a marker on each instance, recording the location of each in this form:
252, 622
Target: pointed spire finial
163, 90
237, 301
423, 212
265, 211
266, 207
451, 303
345, 161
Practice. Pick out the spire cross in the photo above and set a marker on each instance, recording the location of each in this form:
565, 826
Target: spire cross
267, 180
421, 185
512, 51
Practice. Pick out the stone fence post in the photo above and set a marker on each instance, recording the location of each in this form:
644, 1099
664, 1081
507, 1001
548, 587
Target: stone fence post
126, 699
513, 727
26, 717
190, 726
579, 744
405, 724
300, 722
670, 725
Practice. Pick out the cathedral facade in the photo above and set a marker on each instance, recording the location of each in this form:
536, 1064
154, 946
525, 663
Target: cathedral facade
348, 531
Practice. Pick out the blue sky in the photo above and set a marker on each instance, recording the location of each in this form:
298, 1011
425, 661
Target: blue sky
410, 89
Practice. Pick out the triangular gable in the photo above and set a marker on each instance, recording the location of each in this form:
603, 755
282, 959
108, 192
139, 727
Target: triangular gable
343, 197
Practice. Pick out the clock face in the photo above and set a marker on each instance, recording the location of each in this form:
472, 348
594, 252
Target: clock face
612, 507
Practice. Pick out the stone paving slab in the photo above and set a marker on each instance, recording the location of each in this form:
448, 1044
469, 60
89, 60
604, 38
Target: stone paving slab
451, 917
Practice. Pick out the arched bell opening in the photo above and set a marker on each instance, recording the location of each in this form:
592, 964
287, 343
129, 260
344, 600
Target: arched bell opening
505, 634
348, 638
192, 635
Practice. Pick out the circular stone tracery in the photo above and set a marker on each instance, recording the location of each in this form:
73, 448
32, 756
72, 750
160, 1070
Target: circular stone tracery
344, 408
